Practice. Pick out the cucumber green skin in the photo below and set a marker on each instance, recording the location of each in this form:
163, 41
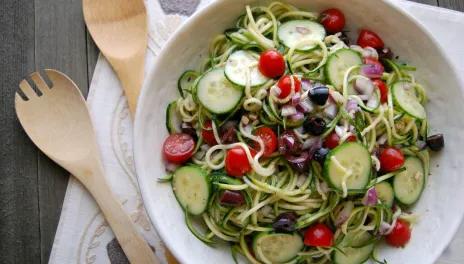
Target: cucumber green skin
391, 194
327, 164
169, 126
260, 235
331, 57
337, 261
185, 75
300, 50
207, 180
195, 90
421, 191
241, 86
399, 105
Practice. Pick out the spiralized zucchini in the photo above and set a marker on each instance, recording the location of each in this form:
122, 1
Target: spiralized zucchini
273, 186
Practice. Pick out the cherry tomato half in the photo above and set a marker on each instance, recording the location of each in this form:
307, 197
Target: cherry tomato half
332, 141
269, 139
383, 90
400, 234
391, 159
207, 133
236, 162
333, 20
368, 38
318, 235
285, 85
178, 148
271, 64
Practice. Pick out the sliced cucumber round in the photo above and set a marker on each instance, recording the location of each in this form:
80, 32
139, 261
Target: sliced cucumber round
295, 31
186, 81
349, 163
354, 252
173, 119
385, 193
192, 188
405, 97
277, 248
237, 66
338, 63
409, 184
216, 93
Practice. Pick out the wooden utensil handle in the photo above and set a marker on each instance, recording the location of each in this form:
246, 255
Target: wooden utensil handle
134, 246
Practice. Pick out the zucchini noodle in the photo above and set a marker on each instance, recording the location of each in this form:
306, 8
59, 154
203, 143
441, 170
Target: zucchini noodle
282, 181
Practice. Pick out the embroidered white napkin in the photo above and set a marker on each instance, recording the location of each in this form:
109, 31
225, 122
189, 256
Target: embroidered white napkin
82, 235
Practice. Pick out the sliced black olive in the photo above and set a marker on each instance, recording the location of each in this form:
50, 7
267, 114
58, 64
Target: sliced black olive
232, 198
300, 163
436, 142
320, 154
285, 222
319, 95
315, 126
385, 53
188, 129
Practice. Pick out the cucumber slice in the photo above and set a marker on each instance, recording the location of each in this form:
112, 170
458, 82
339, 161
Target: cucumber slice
405, 97
353, 250
277, 248
293, 32
237, 66
385, 193
173, 119
216, 93
409, 184
186, 81
192, 188
338, 63
349, 163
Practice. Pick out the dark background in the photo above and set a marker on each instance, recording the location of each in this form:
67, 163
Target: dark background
37, 34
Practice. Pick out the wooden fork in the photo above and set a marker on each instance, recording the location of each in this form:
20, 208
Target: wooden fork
58, 122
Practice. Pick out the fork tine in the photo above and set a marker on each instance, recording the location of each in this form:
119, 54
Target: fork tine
27, 89
40, 82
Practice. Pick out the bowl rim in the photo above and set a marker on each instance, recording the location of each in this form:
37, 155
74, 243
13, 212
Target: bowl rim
182, 29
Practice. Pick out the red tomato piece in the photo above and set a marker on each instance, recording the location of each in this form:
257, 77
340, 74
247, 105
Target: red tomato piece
269, 138
271, 64
383, 90
400, 235
236, 162
318, 235
368, 38
332, 141
178, 148
207, 133
391, 159
285, 85
333, 20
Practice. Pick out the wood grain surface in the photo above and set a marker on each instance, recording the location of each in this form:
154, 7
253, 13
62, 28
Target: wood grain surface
37, 34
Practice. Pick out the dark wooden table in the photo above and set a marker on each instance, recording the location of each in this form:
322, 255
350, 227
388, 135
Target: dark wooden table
37, 34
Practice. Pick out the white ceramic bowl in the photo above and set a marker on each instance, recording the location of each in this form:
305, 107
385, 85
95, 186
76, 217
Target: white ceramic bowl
442, 204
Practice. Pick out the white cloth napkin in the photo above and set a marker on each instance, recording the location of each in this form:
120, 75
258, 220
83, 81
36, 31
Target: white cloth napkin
83, 235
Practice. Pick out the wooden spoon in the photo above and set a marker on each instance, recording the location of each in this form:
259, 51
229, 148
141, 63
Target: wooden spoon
119, 28
59, 123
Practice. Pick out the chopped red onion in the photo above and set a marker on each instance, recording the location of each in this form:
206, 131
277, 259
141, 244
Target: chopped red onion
313, 142
331, 110
351, 106
370, 199
370, 52
384, 228
305, 106
300, 162
297, 117
421, 144
296, 99
306, 84
303, 30
373, 71
373, 102
288, 110
364, 86
171, 167
344, 213
339, 131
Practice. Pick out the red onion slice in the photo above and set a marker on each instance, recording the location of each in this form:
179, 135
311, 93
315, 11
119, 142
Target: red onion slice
297, 117
306, 84
373, 71
373, 102
370, 199
288, 110
344, 213
364, 86
331, 110
296, 99
305, 106
351, 106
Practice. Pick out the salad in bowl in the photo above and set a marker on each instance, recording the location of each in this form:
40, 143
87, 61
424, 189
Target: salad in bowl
295, 144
